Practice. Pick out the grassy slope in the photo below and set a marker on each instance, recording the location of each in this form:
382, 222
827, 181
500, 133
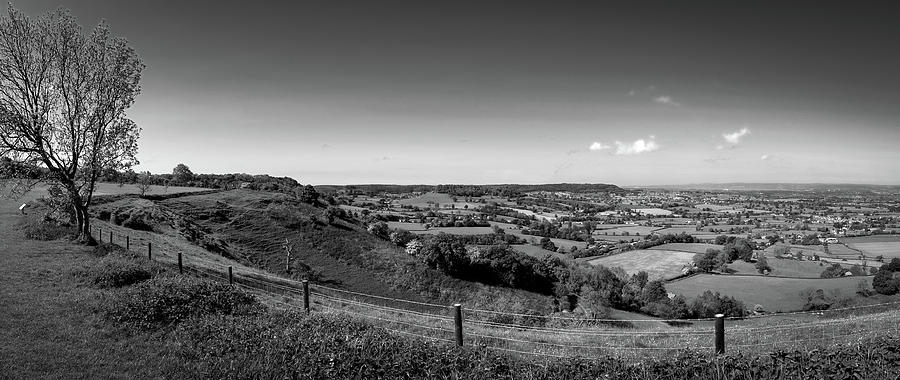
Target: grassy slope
45, 329
344, 253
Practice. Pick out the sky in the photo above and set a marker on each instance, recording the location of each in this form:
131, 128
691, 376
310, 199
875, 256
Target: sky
427, 92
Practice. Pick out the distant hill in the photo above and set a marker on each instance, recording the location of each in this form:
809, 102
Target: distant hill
799, 187
476, 190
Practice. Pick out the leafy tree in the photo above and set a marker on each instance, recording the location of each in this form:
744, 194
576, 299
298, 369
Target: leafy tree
182, 175
380, 229
835, 270
63, 97
333, 213
762, 264
709, 304
654, 291
547, 244
308, 194
885, 281
402, 237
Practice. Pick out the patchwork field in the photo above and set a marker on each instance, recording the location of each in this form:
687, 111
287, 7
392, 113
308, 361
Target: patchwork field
659, 264
774, 294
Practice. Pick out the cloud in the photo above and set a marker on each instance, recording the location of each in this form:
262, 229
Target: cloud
626, 149
636, 147
599, 146
325, 146
666, 100
713, 160
765, 157
735, 137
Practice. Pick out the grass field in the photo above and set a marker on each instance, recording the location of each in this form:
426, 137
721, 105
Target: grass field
677, 230
658, 264
687, 247
114, 189
773, 293
455, 231
631, 230
782, 268
804, 249
888, 249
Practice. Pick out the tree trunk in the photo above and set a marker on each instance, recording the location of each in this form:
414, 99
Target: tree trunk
82, 218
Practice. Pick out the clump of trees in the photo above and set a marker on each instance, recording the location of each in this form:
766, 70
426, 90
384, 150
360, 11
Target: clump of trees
585, 289
835, 270
886, 281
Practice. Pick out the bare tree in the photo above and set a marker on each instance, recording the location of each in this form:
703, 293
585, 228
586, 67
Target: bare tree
144, 181
63, 96
288, 248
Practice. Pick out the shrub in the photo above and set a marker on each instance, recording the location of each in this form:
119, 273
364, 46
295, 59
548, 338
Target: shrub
47, 231
117, 269
160, 302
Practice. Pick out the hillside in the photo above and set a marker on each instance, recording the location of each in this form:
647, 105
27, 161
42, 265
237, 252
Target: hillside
251, 227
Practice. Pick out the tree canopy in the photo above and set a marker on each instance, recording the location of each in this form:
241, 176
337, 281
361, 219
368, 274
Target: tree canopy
63, 97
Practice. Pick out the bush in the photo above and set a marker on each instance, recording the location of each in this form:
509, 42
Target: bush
165, 301
117, 269
47, 231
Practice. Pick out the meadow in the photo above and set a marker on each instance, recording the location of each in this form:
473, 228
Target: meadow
876, 245
782, 268
687, 247
659, 264
774, 294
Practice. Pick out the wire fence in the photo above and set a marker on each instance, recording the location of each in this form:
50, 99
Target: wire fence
545, 336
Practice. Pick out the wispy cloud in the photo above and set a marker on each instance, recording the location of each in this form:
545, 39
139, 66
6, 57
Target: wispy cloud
765, 157
713, 160
599, 146
734, 138
666, 100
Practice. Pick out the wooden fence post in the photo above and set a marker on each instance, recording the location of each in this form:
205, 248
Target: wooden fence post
149, 251
100, 234
306, 295
720, 334
110, 237
457, 321
230, 276
127, 242
180, 267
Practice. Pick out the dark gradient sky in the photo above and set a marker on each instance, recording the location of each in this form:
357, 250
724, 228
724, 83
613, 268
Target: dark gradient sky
499, 92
